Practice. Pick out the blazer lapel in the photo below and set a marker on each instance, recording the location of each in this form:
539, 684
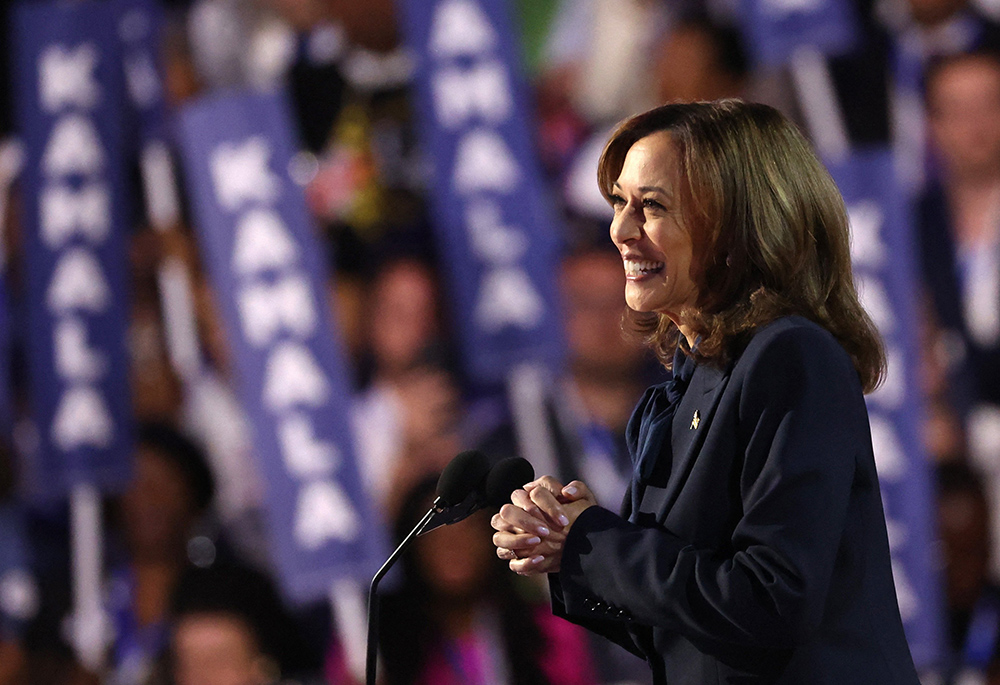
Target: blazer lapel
691, 422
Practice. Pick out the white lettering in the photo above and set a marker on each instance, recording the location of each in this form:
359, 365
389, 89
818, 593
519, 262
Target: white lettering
783, 7
867, 247
293, 377
508, 298
889, 458
82, 419
262, 242
67, 77
74, 359
78, 283
304, 455
324, 513
484, 162
875, 300
892, 392
491, 240
240, 173
483, 90
266, 310
459, 27
73, 147
65, 212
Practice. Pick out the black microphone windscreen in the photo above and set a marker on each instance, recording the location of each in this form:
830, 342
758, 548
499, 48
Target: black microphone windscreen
505, 477
461, 476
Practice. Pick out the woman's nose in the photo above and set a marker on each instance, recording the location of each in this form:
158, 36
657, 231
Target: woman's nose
625, 227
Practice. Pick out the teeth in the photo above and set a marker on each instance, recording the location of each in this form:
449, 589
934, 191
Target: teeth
638, 268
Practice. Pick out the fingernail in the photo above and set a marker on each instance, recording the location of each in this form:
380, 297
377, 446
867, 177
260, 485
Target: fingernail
542, 530
571, 490
537, 560
534, 541
563, 521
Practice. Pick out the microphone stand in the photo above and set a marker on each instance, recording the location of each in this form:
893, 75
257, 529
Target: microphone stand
372, 656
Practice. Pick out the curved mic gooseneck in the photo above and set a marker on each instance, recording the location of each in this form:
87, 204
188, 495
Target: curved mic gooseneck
463, 475
467, 484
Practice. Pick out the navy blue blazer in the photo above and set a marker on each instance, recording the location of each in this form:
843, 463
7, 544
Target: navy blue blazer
760, 554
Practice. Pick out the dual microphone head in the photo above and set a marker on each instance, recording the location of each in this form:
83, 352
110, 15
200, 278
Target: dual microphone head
468, 484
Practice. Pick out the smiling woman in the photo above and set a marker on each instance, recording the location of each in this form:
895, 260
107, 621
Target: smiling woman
649, 230
752, 544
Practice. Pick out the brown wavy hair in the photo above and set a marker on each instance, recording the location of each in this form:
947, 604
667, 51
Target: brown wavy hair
769, 230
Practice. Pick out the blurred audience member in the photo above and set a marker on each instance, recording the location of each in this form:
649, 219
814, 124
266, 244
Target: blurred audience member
696, 59
959, 232
156, 388
228, 627
213, 415
171, 488
603, 77
973, 602
406, 418
700, 59
458, 619
879, 82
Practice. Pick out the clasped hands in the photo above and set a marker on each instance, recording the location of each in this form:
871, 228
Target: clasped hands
532, 529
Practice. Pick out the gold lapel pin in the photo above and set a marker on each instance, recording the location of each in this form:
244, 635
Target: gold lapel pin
696, 419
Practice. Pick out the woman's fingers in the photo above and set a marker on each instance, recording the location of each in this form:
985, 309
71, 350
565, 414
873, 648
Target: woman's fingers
578, 490
535, 565
516, 541
530, 519
545, 500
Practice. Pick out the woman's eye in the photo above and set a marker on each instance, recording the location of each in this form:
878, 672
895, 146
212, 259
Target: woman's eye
651, 204
616, 200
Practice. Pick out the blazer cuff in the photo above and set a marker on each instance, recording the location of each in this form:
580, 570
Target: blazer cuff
576, 595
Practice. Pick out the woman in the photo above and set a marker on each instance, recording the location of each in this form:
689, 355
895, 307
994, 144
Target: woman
752, 546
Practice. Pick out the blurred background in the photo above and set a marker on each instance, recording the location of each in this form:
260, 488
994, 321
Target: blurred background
268, 265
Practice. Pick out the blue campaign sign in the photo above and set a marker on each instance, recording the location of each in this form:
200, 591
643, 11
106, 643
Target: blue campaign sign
497, 233
775, 29
69, 98
270, 274
139, 24
885, 271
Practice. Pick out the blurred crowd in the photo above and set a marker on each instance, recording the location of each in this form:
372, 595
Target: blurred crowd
191, 594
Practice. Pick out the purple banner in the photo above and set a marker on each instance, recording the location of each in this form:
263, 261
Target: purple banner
270, 275
497, 234
885, 272
69, 99
775, 29
138, 23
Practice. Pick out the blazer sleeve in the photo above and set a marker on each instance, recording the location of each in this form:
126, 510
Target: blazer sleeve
801, 424
613, 630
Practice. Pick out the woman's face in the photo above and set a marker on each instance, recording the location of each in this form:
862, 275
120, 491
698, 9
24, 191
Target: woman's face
649, 230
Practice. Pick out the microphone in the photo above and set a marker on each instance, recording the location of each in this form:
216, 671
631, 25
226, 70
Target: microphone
505, 477
462, 479
493, 490
465, 474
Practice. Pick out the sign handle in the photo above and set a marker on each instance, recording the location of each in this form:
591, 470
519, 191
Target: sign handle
176, 298
526, 386
818, 99
89, 623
